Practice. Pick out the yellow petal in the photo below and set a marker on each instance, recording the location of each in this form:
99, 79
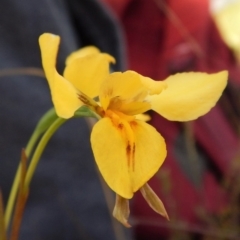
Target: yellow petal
154, 87
150, 153
82, 52
124, 86
129, 108
64, 94
134, 108
110, 149
189, 95
87, 73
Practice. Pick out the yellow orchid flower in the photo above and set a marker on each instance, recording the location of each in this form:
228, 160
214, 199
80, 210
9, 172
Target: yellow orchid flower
128, 151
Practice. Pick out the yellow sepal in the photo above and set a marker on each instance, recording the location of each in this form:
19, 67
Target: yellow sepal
64, 94
189, 95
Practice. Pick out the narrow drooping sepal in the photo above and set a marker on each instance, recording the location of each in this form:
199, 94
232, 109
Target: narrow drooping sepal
153, 200
121, 210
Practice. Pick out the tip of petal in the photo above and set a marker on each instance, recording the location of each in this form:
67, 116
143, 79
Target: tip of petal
82, 52
49, 47
110, 58
48, 37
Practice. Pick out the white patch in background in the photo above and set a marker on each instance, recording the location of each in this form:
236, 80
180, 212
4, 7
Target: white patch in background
217, 5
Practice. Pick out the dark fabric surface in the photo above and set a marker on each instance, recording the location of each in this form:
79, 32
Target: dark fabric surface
66, 199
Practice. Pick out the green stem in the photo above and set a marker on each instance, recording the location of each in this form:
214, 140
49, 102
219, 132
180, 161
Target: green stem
32, 142
48, 118
9, 208
39, 150
49, 123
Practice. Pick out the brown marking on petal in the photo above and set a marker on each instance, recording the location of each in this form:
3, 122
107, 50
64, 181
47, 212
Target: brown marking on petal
108, 92
120, 126
83, 99
133, 156
128, 152
133, 124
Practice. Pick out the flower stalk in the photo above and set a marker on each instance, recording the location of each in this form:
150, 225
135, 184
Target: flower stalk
47, 126
47, 119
